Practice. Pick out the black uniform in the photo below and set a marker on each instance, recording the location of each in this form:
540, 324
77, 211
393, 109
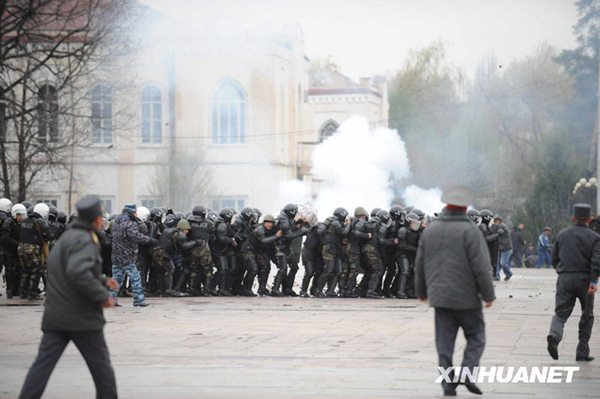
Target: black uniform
11, 232
335, 233
576, 257
312, 257
287, 265
227, 259
407, 247
493, 239
266, 240
387, 243
371, 259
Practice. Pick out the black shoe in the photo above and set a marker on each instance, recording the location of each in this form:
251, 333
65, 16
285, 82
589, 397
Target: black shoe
9, 294
276, 293
248, 293
142, 305
450, 392
321, 295
584, 358
352, 295
402, 295
34, 297
331, 294
552, 347
304, 294
263, 292
507, 278
473, 388
117, 305
289, 292
23, 295
225, 293
373, 295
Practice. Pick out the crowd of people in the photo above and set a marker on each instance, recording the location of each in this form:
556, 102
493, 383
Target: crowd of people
222, 253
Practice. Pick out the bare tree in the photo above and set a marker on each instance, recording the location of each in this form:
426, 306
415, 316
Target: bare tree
51, 55
183, 181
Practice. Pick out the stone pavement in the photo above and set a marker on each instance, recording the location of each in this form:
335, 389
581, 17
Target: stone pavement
299, 348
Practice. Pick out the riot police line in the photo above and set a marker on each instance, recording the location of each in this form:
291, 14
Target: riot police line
210, 253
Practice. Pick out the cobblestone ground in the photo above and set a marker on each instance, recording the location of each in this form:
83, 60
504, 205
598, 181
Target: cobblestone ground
299, 348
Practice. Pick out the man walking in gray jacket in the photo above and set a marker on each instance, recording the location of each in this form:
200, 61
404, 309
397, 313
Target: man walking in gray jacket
453, 274
75, 295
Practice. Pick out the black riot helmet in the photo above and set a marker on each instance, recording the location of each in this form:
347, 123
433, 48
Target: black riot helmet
247, 214
156, 214
290, 210
61, 217
226, 214
27, 204
487, 216
474, 215
258, 213
73, 217
179, 216
413, 220
409, 209
384, 216
52, 213
396, 212
341, 214
420, 214
171, 221
213, 217
199, 210
374, 212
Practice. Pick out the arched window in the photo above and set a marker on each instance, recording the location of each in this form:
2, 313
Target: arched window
102, 114
47, 110
229, 114
151, 115
328, 129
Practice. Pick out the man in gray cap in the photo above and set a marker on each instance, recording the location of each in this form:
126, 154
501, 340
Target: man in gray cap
75, 295
576, 258
453, 273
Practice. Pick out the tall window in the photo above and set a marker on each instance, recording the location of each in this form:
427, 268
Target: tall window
150, 202
229, 114
47, 114
151, 115
102, 114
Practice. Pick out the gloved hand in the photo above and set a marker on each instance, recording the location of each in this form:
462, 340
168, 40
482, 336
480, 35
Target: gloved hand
154, 241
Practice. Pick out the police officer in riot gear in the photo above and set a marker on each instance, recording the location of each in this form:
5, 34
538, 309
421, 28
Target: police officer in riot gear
474, 215
266, 235
388, 242
201, 264
291, 228
225, 243
11, 233
408, 245
249, 269
336, 230
490, 232
312, 257
351, 255
371, 259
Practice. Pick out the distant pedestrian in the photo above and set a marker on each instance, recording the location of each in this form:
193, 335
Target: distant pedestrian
517, 240
504, 250
576, 257
543, 248
453, 273
75, 295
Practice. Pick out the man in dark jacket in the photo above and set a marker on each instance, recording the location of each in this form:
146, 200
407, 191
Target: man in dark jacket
453, 273
504, 249
125, 239
517, 240
75, 296
576, 258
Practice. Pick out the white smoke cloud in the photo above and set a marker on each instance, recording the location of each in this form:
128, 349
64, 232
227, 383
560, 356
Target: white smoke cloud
357, 166
429, 201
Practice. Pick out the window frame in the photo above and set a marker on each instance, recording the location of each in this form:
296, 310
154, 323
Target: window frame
47, 114
153, 105
241, 201
218, 105
105, 132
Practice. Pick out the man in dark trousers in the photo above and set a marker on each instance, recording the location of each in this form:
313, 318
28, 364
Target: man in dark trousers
75, 295
453, 273
576, 258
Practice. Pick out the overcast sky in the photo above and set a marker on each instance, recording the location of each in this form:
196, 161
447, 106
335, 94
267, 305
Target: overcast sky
366, 37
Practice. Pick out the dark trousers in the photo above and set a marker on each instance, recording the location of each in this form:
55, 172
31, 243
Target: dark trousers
447, 322
569, 287
91, 345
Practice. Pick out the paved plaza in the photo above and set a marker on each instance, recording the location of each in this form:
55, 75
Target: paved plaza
299, 348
